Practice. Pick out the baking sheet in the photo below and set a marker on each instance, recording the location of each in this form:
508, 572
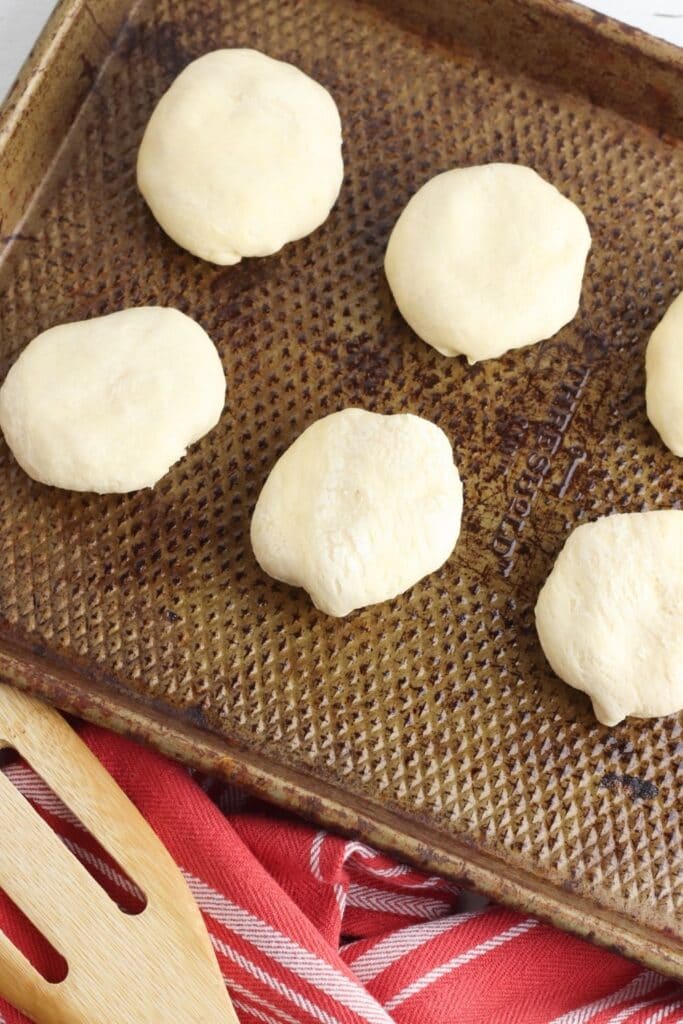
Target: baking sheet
430, 725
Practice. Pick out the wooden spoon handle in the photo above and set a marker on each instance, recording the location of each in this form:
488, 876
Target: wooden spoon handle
155, 966
20, 983
57, 753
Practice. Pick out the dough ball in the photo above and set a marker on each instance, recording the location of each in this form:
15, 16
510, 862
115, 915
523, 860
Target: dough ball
486, 259
610, 616
360, 508
241, 156
109, 404
664, 366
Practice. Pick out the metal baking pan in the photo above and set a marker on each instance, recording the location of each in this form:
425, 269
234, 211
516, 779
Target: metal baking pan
432, 725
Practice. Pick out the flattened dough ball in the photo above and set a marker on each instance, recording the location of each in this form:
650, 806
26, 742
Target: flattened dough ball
487, 259
109, 404
664, 367
241, 155
610, 616
359, 508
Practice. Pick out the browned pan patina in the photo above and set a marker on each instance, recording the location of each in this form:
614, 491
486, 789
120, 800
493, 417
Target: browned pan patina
431, 725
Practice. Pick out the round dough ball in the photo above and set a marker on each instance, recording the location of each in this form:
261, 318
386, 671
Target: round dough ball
487, 259
664, 366
109, 404
241, 156
610, 616
360, 508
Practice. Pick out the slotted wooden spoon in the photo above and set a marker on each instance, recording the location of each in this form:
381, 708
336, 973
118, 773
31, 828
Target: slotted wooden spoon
157, 967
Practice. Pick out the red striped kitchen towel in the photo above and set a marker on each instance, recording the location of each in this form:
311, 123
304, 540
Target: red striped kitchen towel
309, 928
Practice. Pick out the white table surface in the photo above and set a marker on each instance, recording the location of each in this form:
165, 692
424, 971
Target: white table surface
22, 20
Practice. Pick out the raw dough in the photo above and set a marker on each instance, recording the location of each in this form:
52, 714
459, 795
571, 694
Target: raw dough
109, 404
610, 616
664, 365
360, 508
241, 156
486, 259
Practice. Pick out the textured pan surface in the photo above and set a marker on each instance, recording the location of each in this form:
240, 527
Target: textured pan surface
432, 724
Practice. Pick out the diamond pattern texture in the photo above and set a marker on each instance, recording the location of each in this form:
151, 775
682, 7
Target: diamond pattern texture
438, 705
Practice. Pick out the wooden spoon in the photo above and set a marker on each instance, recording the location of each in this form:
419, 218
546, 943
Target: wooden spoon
157, 967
